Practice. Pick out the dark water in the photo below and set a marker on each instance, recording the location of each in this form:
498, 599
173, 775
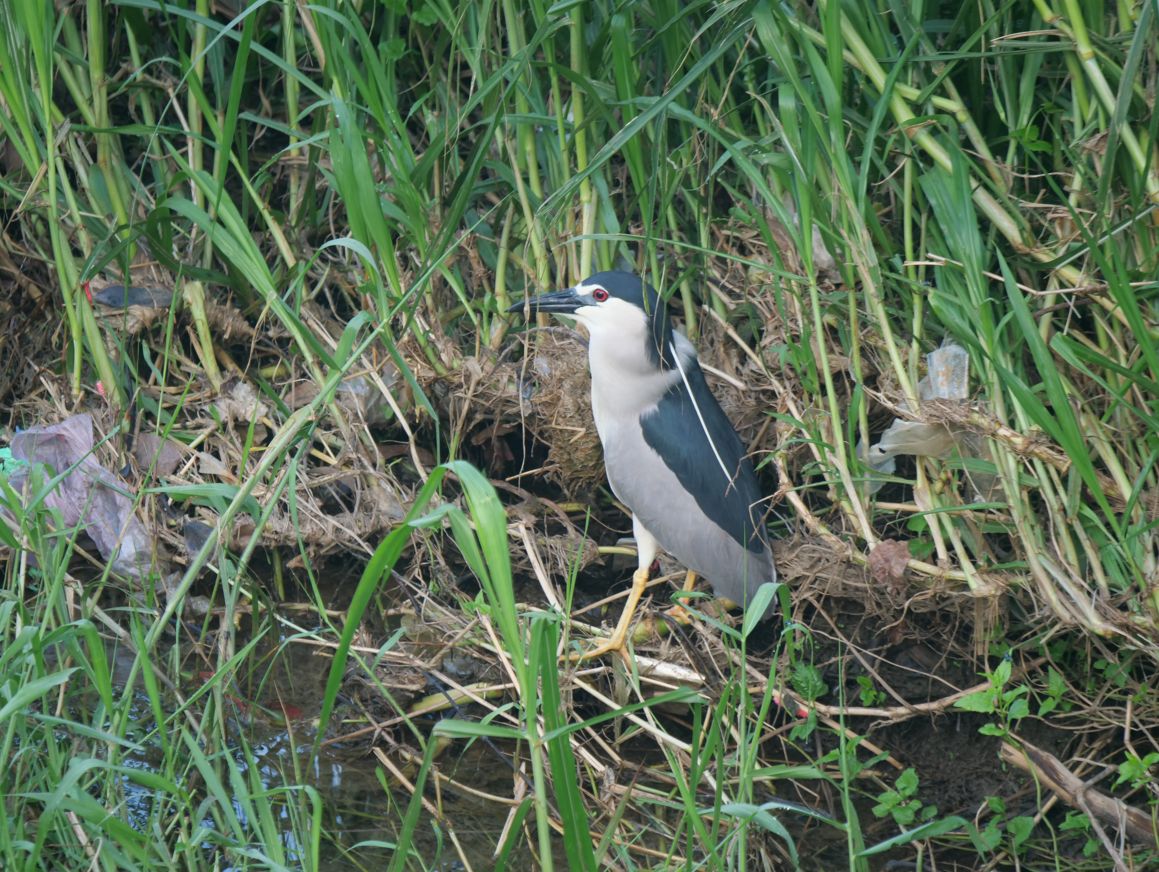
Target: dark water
364, 802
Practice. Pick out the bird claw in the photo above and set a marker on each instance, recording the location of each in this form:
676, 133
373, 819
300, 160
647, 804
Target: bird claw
618, 642
678, 613
600, 650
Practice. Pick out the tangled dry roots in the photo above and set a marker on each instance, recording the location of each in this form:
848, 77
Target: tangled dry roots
561, 404
548, 392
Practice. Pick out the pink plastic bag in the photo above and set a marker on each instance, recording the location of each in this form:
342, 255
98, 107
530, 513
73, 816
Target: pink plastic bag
89, 495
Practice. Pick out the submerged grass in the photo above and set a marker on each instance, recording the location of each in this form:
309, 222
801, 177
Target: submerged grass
825, 192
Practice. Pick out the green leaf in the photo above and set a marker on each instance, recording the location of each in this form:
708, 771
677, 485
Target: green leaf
904, 814
1020, 829
514, 834
83, 730
398, 860
1075, 820
30, 691
426, 15
787, 771
990, 837
460, 729
346, 341
393, 50
926, 831
1136, 770
869, 693
760, 816
803, 731
490, 521
206, 492
808, 682
683, 696
568, 798
1013, 694
982, 701
6, 535
1002, 673
907, 782
760, 602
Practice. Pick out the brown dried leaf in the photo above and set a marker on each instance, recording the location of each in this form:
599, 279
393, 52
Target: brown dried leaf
1097, 144
241, 404
888, 561
167, 454
210, 465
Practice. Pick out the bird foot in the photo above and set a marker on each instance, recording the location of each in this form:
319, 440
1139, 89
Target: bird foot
678, 613
609, 647
618, 641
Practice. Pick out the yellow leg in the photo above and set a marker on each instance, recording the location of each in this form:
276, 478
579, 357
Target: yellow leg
616, 643
678, 612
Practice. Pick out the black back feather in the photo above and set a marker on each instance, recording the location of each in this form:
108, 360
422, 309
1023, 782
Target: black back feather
674, 431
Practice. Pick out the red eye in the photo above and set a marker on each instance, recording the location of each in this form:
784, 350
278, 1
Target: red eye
600, 294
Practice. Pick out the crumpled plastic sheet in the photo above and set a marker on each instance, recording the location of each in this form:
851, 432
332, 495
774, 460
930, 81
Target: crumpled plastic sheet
359, 394
948, 379
89, 495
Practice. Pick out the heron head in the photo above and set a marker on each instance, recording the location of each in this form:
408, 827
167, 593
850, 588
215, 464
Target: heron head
612, 305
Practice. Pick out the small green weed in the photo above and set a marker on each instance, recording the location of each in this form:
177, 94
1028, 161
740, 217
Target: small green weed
901, 804
1078, 823
1008, 705
807, 681
870, 695
1055, 688
1018, 828
1137, 771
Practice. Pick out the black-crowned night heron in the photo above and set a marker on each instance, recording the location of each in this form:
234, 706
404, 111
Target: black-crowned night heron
671, 454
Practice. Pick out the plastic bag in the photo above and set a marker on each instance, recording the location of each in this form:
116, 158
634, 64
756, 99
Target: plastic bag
948, 379
89, 495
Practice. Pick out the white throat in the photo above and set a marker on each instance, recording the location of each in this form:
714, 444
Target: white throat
625, 380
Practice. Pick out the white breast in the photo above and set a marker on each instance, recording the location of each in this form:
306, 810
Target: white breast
625, 381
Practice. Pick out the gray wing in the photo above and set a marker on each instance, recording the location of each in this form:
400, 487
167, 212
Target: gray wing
707, 458
663, 468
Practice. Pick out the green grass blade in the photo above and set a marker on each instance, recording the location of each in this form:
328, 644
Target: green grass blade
383, 560
568, 798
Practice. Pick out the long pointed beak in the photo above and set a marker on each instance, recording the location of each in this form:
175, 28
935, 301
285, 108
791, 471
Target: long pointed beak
563, 302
